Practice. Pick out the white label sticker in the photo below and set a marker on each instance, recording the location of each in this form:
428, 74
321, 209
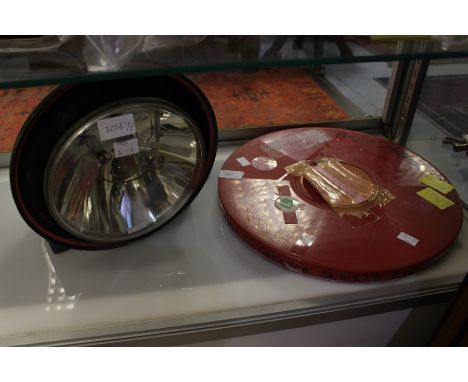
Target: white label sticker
243, 161
264, 163
116, 127
124, 148
228, 174
408, 238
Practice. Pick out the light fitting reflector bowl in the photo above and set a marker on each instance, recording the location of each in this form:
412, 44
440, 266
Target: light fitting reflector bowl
100, 164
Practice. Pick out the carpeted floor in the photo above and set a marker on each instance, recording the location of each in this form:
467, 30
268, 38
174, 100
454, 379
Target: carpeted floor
240, 99
443, 99
15, 107
267, 97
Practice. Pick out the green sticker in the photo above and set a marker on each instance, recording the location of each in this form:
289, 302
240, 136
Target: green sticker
287, 204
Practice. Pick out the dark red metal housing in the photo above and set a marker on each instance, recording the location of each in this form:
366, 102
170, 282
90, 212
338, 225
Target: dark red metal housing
313, 239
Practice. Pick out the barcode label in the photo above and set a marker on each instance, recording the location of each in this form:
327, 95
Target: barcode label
228, 174
407, 238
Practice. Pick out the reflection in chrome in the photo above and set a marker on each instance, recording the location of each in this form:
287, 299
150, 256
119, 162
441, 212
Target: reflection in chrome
57, 298
100, 197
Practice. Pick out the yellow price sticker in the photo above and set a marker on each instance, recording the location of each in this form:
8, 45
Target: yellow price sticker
433, 197
436, 183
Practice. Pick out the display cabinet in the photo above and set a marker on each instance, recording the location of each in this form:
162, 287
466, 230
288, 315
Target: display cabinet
195, 280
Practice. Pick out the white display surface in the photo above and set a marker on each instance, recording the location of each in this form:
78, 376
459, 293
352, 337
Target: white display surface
194, 272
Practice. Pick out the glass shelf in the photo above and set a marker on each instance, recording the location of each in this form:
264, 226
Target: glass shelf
165, 286
46, 60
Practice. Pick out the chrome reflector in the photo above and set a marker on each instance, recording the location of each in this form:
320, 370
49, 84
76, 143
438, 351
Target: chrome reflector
102, 188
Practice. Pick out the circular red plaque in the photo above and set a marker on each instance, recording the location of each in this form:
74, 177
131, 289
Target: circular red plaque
284, 218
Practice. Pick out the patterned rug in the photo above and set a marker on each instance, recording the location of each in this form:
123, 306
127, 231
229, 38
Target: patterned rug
239, 99
15, 107
266, 98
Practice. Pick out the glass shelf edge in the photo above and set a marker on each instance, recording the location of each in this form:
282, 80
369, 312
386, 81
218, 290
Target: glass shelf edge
127, 74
